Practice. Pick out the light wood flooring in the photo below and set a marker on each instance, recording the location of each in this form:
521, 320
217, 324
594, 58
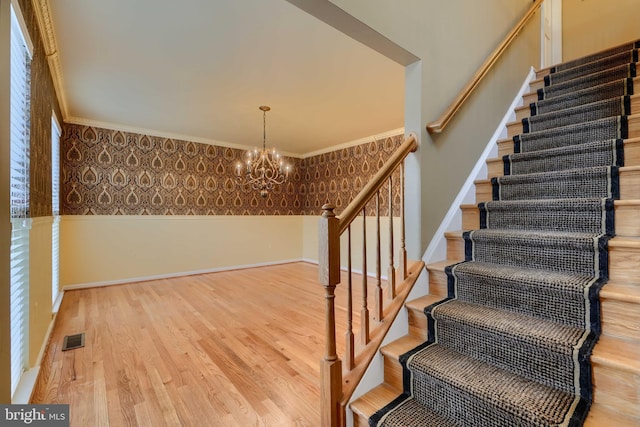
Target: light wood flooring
239, 348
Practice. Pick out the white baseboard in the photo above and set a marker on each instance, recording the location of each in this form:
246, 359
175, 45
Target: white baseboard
27, 383
178, 274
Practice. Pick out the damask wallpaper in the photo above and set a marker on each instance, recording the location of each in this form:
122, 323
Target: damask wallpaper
111, 172
338, 176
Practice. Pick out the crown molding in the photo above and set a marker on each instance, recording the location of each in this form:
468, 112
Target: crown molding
45, 24
182, 137
360, 141
160, 134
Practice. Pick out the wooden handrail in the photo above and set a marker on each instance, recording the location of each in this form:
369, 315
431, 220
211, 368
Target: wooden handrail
409, 145
439, 125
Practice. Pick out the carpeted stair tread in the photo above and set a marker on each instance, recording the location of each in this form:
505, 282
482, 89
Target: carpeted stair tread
594, 182
535, 292
597, 130
589, 95
590, 154
595, 56
513, 342
627, 57
544, 348
587, 215
464, 388
583, 82
552, 251
583, 113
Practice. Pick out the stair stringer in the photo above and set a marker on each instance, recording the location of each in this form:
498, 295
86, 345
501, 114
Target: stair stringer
437, 248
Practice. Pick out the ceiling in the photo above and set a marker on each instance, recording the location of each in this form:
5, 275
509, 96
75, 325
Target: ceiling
199, 70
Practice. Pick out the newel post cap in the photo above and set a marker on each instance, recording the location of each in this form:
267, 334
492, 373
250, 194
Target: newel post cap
328, 210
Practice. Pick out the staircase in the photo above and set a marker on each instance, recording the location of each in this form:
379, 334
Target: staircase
567, 98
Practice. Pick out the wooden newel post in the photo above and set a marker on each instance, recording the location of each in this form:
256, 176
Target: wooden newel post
330, 365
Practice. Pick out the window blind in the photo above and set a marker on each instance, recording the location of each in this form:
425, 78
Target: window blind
19, 199
55, 202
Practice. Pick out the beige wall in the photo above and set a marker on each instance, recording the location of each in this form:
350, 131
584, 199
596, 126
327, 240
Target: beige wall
592, 25
97, 249
5, 225
452, 38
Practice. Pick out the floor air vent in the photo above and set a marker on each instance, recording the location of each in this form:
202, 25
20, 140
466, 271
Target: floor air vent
73, 341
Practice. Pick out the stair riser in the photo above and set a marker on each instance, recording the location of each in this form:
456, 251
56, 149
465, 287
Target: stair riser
626, 218
438, 283
470, 217
541, 73
536, 84
516, 128
619, 318
623, 263
359, 421
629, 187
393, 373
617, 389
523, 113
455, 247
418, 323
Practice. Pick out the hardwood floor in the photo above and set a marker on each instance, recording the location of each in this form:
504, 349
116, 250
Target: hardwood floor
238, 348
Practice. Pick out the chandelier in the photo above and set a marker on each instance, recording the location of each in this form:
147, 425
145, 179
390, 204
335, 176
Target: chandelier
262, 169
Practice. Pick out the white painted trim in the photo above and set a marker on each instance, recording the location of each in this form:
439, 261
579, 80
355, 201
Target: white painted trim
178, 274
45, 342
54, 119
25, 387
23, 26
556, 31
436, 251
27, 383
57, 302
